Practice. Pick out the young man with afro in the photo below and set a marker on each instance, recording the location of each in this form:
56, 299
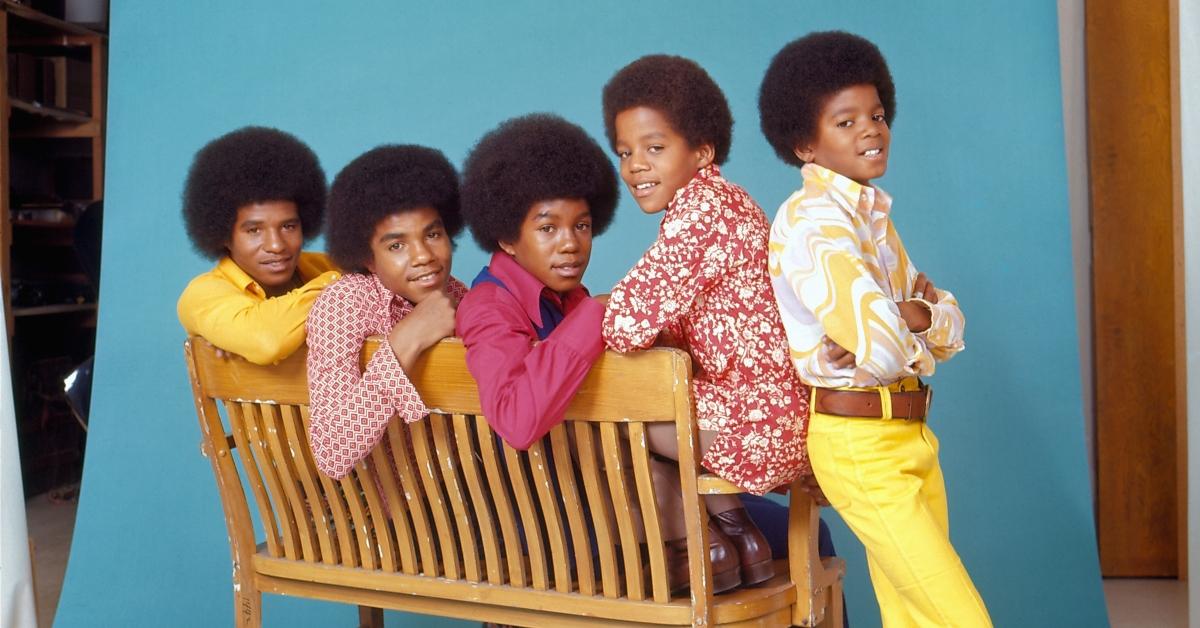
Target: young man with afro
536, 190
393, 213
863, 324
251, 200
703, 284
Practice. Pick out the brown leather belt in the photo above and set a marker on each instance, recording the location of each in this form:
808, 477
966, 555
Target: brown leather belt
868, 404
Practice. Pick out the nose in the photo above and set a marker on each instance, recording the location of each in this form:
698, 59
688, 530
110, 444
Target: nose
273, 243
421, 254
636, 162
569, 242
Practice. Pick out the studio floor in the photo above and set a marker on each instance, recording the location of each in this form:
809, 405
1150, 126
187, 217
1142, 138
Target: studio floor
1132, 603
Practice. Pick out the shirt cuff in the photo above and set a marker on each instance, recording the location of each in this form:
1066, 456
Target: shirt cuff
940, 324
933, 316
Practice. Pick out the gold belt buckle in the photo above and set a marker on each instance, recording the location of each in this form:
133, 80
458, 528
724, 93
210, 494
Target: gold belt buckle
928, 402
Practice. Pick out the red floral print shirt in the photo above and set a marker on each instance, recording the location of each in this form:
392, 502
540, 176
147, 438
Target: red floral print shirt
705, 282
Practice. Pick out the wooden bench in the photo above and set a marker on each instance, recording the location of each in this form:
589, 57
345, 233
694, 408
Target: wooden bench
464, 526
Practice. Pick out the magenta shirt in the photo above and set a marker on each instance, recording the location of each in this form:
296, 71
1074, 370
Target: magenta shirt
525, 385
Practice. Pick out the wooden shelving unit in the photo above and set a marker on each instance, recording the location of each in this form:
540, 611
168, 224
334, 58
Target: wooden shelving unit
32, 123
52, 96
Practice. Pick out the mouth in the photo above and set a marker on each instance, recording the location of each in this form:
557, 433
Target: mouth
872, 153
644, 189
279, 265
569, 270
427, 279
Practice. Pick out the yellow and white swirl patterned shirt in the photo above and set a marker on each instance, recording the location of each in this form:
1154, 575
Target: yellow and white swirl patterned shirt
838, 269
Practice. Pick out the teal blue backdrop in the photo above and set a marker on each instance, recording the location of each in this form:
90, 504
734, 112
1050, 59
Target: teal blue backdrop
977, 171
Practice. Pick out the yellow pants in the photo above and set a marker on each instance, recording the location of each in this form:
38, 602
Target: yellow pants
883, 478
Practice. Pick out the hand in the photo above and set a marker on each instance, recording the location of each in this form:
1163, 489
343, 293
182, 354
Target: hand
602, 299
840, 356
809, 485
431, 320
916, 315
923, 288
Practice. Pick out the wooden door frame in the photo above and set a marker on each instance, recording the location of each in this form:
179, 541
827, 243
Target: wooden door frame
1138, 312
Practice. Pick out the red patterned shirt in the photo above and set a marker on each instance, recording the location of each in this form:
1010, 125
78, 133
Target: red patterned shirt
705, 282
350, 409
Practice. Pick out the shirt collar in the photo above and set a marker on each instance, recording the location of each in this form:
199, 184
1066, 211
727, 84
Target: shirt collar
852, 195
706, 173
526, 288
239, 277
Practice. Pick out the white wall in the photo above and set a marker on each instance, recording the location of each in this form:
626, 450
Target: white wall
1189, 109
1074, 102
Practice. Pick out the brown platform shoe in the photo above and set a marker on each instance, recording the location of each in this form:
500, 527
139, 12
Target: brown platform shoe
721, 552
754, 552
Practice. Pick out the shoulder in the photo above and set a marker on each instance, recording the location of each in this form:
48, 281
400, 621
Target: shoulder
487, 305
482, 297
815, 203
350, 283
714, 208
719, 197
313, 263
209, 285
353, 292
456, 288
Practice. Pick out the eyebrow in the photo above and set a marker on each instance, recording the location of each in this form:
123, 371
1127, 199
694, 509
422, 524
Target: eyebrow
545, 213
259, 223
854, 108
399, 235
396, 235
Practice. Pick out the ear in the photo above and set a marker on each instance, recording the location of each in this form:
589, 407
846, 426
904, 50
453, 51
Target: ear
804, 153
370, 265
705, 155
508, 247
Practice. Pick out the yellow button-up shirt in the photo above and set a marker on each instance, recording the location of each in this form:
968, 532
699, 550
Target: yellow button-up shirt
838, 269
233, 312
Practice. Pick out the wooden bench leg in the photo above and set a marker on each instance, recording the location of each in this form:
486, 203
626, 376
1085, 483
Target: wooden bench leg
833, 606
369, 617
247, 608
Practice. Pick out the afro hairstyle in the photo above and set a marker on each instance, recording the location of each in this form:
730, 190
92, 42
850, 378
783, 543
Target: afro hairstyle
533, 158
250, 165
681, 91
805, 74
383, 181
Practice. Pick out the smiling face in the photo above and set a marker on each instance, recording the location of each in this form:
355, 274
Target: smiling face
852, 136
554, 243
655, 160
266, 243
410, 253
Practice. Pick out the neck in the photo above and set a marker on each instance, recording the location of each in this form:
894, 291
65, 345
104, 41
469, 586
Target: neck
294, 283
